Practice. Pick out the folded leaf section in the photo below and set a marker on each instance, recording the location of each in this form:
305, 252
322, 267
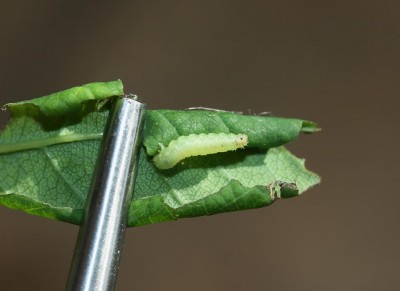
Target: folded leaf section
232, 197
163, 126
68, 106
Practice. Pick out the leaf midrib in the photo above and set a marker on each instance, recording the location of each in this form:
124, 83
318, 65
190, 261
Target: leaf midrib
45, 142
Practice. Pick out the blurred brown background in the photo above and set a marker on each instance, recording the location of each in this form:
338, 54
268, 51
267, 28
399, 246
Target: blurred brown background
334, 62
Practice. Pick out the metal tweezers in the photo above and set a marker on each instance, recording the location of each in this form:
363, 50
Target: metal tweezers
99, 243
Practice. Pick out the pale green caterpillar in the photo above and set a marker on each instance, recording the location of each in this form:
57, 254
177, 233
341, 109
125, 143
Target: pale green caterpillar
197, 145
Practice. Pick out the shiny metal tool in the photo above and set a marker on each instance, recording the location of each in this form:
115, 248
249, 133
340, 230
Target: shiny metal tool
99, 244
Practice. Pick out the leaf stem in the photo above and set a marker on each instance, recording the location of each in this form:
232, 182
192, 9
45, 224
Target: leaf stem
41, 143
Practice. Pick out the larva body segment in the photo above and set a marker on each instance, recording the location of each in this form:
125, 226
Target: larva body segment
198, 145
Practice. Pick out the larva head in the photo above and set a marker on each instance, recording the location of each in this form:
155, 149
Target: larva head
241, 140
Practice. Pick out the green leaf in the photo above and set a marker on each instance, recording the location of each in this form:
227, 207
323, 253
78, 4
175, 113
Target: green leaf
46, 169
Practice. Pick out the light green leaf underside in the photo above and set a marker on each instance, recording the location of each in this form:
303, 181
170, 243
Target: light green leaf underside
47, 172
224, 182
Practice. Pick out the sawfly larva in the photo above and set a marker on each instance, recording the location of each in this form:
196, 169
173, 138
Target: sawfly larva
197, 145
